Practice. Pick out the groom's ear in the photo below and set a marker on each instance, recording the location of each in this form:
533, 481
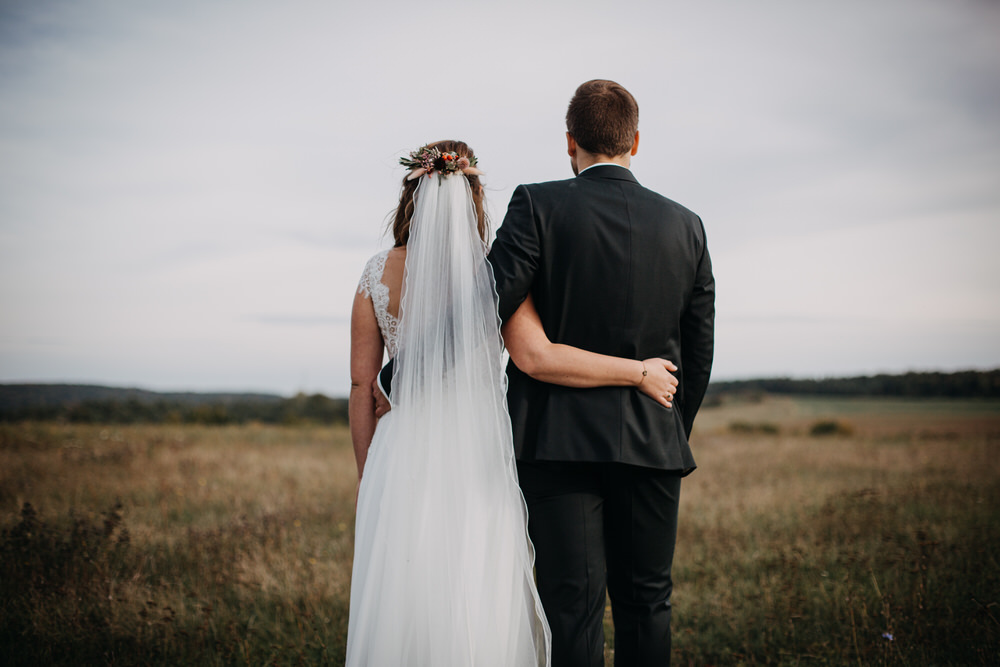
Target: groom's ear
635, 144
571, 149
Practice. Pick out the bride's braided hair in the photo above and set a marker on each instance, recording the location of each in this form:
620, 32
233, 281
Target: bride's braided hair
401, 220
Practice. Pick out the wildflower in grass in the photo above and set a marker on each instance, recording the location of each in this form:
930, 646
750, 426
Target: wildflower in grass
888, 636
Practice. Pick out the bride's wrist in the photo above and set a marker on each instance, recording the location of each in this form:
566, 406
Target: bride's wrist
642, 373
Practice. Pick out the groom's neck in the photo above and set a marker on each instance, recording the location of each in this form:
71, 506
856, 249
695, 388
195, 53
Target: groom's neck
581, 158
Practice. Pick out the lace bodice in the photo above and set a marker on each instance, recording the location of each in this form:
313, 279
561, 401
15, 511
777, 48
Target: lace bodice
372, 287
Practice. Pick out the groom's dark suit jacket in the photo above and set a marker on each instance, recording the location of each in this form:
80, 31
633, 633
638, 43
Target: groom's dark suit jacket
617, 269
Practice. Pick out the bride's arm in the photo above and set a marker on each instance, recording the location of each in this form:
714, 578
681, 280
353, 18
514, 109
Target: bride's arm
533, 353
366, 361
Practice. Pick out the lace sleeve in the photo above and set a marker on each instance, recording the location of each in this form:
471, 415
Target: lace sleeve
371, 286
370, 273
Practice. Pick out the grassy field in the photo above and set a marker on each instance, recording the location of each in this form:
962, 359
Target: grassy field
815, 532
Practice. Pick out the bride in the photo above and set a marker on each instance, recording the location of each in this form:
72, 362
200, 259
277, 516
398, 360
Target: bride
442, 561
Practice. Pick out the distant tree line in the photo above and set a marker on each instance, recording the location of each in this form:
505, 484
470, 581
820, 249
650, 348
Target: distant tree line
963, 384
302, 408
112, 405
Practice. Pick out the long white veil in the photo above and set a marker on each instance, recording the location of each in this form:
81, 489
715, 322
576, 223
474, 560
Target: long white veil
447, 524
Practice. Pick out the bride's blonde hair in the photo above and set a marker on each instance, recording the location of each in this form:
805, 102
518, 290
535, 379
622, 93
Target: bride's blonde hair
401, 221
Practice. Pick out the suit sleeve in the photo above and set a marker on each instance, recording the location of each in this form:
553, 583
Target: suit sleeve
516, 252
698, 337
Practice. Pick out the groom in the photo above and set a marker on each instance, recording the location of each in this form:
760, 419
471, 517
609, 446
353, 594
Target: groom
617, 269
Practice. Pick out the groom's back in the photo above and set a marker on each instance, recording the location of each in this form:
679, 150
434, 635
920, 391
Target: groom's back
619, 262
617, 266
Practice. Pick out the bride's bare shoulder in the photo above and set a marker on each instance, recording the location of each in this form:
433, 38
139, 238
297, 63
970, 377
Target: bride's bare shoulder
395, 259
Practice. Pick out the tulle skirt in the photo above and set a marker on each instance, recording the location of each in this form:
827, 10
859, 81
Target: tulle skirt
442, 563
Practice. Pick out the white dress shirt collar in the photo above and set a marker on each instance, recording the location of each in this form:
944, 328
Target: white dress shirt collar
603, 164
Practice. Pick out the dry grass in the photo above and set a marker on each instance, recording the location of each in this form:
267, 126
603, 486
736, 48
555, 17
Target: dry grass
233, 545
805, 550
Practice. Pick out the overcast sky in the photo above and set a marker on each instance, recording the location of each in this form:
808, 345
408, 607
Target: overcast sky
190, 190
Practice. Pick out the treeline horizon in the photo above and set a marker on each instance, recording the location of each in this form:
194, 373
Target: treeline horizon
114, 405
959, 384
207, 409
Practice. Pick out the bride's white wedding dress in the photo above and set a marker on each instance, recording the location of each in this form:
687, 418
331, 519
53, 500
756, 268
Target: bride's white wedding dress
442, 563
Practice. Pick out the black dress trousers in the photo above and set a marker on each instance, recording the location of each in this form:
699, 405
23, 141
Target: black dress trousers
603, 528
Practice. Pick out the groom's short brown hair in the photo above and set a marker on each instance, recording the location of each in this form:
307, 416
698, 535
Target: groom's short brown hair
603, 117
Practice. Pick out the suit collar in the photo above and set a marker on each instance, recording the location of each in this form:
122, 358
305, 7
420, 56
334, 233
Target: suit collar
613, 171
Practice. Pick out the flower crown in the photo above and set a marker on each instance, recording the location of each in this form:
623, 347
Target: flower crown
427, 160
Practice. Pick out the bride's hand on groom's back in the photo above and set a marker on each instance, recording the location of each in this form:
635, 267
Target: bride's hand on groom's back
659, 382
382, 404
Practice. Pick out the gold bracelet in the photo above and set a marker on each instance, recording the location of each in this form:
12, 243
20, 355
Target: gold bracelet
644, 372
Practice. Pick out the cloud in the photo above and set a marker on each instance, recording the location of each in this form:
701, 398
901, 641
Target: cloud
189, 191
299, 320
